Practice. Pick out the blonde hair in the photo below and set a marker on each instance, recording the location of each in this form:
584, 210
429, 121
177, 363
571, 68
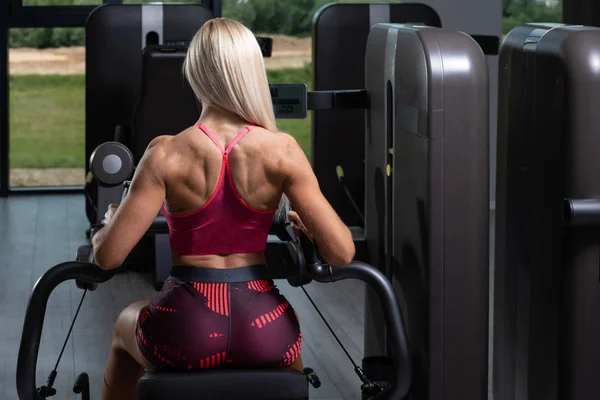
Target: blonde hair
225, 68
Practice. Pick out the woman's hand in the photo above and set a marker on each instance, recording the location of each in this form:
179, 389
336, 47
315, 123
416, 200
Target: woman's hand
112, 209
297, 224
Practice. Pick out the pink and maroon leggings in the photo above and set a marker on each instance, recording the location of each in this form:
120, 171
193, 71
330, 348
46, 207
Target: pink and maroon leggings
204, 318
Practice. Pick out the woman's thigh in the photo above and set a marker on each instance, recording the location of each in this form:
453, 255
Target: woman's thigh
125, 332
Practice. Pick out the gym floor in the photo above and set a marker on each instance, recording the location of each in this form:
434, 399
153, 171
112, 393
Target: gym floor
37, 232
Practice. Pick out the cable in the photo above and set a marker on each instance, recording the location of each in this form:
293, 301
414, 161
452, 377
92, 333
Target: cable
48, 390
340, 175
329, 327
70, 329
368, 387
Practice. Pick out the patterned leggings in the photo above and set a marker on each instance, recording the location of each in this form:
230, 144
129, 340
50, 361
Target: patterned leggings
204, 318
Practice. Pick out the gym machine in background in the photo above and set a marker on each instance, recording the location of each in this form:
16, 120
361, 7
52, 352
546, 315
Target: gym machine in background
340, 65
332, 58
547, 294
123, 40
427, 209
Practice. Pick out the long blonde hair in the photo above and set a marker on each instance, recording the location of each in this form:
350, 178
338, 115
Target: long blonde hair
225, 68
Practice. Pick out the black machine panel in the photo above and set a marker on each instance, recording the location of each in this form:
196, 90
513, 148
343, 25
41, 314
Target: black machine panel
340, 35
427, 207
546, 276
163, 88
115, 38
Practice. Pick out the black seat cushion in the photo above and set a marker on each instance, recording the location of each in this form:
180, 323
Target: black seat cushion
229, 384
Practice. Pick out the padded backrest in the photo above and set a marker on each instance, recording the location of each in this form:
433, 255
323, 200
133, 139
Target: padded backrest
340, 35
166, 105
116, 34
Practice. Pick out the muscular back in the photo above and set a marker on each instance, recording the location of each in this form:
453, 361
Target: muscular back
195, 166
193, 169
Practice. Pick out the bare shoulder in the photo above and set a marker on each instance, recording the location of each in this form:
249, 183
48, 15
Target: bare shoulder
278, 142
171, 147
290, 148
159, 147
161, 156
288, 155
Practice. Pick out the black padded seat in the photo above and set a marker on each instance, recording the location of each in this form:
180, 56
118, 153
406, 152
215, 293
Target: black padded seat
264, 384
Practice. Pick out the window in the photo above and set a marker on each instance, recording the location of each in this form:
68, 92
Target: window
61, 2
516, 13
47, 100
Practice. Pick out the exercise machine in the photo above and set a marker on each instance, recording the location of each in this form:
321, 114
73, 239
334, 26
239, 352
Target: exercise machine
340, 65
546, 324
345, 130
282, 383
427, 210
120, 38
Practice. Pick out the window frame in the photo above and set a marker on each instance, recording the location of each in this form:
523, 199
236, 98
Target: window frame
13, 14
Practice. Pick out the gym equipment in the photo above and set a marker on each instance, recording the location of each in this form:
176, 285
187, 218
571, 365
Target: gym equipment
427, 215
482, 20
581, 212
546, 324
340, 65
277, 383
289, 100
115, 36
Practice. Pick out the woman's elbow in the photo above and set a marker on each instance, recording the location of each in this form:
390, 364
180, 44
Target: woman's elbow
341, 255
105, 261
348, 255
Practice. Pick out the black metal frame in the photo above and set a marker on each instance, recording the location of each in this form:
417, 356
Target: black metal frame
4, 13
13, 14
581, 12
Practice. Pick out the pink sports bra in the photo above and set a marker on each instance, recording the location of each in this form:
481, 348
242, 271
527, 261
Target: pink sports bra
225, 224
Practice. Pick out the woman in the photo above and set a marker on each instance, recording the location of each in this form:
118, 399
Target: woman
218, 183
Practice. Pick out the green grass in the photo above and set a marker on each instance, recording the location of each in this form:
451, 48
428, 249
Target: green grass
47, 118
47, 121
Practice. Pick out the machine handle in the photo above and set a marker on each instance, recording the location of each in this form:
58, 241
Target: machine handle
392, 312
581, 212
337, 99
34, 318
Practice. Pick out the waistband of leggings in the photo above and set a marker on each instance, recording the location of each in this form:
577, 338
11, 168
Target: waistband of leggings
214, 275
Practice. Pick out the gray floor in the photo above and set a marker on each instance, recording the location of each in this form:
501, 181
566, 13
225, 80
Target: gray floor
37, 232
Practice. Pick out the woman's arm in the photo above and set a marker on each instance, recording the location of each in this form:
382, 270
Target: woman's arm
331, 235
113, 243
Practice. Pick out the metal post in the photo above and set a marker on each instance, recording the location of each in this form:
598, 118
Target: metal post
216, 6
4, 175
581, 12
